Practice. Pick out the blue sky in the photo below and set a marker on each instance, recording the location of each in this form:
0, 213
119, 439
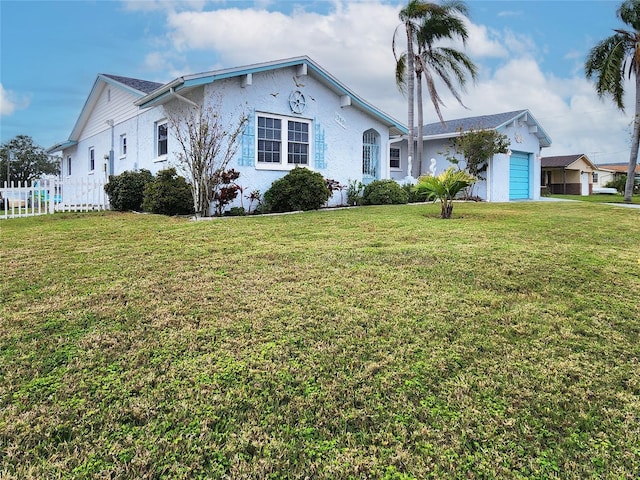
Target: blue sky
530, 55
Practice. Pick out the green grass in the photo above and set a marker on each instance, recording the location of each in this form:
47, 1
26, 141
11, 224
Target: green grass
599, 198
377, 342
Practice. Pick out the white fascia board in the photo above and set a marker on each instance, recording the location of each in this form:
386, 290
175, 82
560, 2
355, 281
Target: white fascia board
58, 147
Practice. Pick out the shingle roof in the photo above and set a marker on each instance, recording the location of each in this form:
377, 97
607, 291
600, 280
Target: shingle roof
559, 161
465, 124
618, 167
144, 86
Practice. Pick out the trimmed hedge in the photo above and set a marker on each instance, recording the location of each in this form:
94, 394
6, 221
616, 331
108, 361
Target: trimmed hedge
168, 194
126, 191
384, 192
300, 189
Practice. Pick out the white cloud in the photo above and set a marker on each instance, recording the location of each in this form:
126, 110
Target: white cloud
353, 42
483, 42
10, 102
159, 5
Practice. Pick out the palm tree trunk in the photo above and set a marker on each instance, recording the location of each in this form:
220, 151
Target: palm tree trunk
635, 142
410, 90
420, 143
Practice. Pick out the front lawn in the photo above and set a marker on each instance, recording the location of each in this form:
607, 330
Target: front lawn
377, 342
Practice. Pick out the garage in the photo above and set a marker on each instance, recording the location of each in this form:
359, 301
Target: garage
519, 176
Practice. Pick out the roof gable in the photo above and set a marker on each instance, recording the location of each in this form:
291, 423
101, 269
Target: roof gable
136, 87
563, 161
139, 86
453, 128
304, 63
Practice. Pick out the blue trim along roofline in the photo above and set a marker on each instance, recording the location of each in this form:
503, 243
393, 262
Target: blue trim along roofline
61, 146
163, 94
454, 128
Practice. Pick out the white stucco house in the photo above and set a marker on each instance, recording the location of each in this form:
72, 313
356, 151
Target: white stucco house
511, 176
298, 115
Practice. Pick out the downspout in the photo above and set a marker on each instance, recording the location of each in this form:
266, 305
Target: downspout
110, 169
564, 180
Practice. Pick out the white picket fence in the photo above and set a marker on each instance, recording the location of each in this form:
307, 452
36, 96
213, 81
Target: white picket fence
52, 195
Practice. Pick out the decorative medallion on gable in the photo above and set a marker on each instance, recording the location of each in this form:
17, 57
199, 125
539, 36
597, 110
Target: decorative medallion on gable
297, 102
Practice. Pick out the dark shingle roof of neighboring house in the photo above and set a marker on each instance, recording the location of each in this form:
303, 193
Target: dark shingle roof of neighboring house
559, 161
465, 124
144, 86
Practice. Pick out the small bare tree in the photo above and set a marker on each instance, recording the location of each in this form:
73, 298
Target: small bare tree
208, 142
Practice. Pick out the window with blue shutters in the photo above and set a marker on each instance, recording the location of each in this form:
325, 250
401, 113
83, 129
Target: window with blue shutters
248, 142
319, 147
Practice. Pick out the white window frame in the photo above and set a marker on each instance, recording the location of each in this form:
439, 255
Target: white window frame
284, 164
69, 166
123, 145
391, 157
160, 157
92, 159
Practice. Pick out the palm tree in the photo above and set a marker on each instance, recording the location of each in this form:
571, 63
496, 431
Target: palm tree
410, 17
609, 62
445, 63
426, 23
444, 187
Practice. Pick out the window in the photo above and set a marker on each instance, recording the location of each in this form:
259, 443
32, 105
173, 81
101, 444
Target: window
161, 138
92, 159
595, 177
274, 132
394, 157
298, 151
269, 140
123, 145
68, 166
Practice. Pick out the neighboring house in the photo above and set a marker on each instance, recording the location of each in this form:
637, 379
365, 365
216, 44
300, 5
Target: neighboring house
298, 115
568, 174
511, 176
617, 170
601, 176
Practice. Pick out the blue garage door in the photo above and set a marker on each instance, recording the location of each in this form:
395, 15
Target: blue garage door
519, 176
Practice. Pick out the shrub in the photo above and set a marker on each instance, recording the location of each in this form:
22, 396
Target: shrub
413, 195
236, 212
384, 192
354, 192
126, 191
225, 189
168, 194
300, 189
620, 184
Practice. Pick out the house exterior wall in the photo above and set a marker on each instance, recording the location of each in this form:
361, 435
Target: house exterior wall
568, 180
113, 104
604, 177
336, 131
495, 186
399, 174
341, 127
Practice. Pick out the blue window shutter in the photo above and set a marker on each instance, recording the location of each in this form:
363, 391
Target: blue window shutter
319, 146
247, 159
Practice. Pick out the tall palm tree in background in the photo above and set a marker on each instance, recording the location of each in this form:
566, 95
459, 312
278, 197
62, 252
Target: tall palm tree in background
426, 23
410, 17
609, 62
